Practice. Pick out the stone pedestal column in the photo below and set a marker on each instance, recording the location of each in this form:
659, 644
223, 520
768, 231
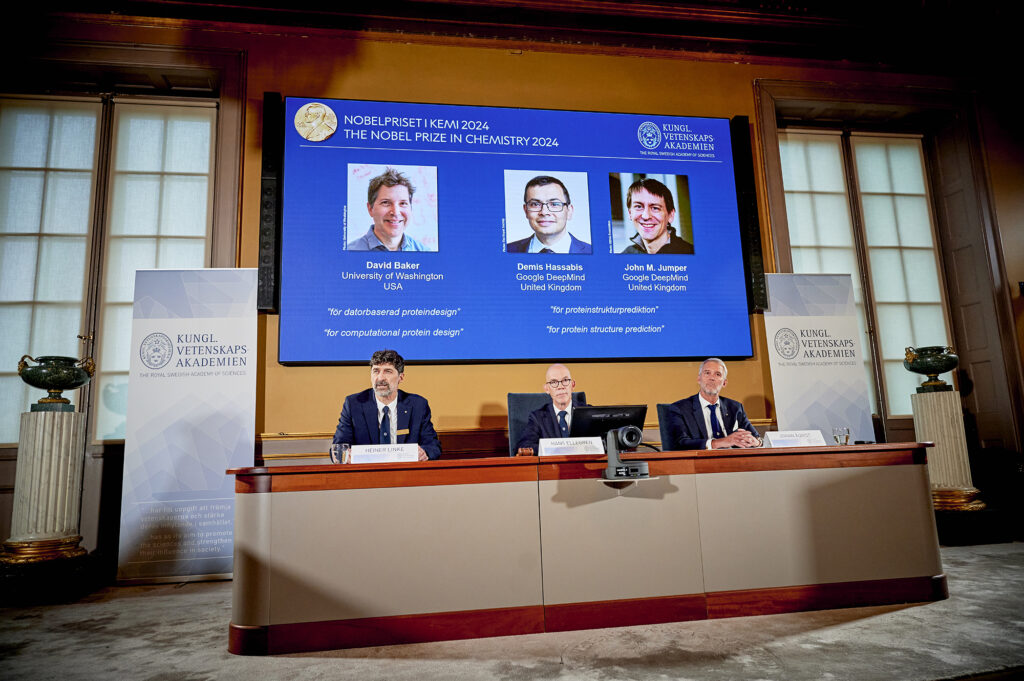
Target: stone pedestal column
938, 418
47, 488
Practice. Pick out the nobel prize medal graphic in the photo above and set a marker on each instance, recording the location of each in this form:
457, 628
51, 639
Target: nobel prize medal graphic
316, 122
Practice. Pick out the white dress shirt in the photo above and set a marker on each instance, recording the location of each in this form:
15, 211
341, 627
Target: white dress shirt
568, 415
392, 416
704, 404
560, 246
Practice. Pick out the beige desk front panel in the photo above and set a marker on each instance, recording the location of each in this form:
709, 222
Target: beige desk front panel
355, 553
795, 527
598, 544
250, 605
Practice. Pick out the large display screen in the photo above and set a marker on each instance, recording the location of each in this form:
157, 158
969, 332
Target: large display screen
469, 234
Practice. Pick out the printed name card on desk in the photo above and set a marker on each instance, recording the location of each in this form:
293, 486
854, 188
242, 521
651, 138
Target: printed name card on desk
385, 453
569, 446
794, 438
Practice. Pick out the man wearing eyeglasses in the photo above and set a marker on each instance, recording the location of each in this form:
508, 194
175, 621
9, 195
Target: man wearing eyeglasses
652, 210
554, 419
548, 210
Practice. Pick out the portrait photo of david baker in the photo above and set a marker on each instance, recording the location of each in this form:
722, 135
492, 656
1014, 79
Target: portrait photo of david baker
401, 204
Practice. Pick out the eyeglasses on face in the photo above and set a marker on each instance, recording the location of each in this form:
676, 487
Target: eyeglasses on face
534, 206
565, 383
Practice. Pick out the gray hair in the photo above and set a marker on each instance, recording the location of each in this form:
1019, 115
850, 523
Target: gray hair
725, 369
388, 357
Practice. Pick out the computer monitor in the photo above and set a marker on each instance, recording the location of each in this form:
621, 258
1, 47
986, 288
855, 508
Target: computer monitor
596, 421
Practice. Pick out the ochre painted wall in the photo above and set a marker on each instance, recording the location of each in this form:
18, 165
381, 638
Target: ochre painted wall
407, 68
1003, 142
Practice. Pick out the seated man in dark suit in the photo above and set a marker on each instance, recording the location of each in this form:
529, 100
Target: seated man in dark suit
555, 418
707, 420
383, 414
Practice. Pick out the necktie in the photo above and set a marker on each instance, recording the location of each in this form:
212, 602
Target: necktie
385, 427
562, 424
716, 427
546, 250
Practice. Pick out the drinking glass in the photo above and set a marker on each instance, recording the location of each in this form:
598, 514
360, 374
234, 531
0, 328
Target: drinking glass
341, 453
841, 434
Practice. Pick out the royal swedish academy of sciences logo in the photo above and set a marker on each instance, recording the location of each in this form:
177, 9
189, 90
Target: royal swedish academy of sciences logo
156, 350
787, 344
649, 135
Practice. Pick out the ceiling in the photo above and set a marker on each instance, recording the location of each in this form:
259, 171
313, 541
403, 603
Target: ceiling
946, 37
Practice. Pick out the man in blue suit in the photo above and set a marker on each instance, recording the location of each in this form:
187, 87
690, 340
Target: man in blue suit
707, 420
548, 210
383, 414
554, 419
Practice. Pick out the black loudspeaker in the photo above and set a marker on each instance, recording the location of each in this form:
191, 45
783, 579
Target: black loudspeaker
270, 202
746, 202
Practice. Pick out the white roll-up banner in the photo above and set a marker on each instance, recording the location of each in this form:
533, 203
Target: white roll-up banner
817, 363
191, 416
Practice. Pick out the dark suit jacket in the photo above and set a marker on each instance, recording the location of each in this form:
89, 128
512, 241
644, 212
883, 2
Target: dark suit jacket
543, 422
575, 245
357, 424
686, 422
676, 244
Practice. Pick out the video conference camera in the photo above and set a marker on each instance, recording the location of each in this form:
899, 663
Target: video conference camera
626, 438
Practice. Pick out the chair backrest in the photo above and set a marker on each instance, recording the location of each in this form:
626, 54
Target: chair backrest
666, 436
519, 407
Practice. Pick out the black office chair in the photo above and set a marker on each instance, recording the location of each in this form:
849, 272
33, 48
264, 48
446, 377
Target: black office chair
666, 435
519, 407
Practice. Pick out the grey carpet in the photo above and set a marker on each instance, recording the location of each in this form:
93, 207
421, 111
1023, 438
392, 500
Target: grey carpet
179, 633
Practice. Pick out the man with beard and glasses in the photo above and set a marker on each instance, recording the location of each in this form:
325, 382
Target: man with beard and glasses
554, 419
383, 414
707, 420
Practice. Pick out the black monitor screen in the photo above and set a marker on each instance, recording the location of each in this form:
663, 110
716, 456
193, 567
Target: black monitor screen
596, 421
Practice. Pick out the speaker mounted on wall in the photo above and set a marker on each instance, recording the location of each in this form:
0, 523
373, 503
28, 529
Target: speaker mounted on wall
270, 203
746, 202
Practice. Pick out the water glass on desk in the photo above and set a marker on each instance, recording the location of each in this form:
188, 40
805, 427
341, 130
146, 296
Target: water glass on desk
341, 453
841, 435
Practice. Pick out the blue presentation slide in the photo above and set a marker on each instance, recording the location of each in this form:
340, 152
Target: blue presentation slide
469, 234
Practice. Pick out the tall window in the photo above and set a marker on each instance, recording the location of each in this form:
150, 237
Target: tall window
859, 204
54, 211
47, 178
159, 217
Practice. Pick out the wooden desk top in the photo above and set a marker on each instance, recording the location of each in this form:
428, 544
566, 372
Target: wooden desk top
523, 469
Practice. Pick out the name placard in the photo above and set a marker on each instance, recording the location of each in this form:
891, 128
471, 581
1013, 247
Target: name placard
569, 446
794, 438
385, 453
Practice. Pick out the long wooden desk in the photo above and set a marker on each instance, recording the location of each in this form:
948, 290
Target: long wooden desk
343, 556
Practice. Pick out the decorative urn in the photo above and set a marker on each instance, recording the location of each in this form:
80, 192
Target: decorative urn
55, 374
931, 361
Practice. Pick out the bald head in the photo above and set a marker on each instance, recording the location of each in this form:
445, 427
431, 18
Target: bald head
559, 384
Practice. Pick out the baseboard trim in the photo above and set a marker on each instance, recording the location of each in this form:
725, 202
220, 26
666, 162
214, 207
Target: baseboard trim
749, 602
624, 613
